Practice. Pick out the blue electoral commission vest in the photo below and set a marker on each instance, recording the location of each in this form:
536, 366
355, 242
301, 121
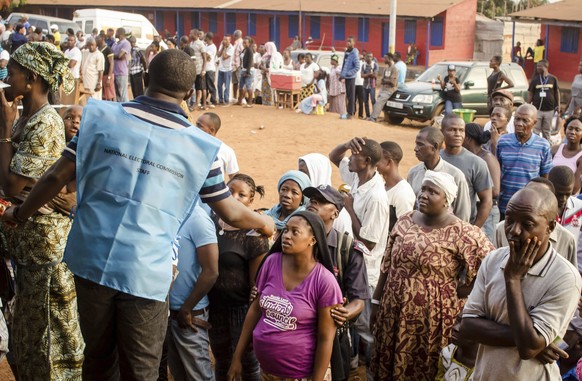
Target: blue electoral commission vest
136, 184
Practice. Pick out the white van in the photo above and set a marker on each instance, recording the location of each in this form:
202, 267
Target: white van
138, 25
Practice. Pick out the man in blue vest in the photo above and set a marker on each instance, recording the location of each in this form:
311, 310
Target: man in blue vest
139, 172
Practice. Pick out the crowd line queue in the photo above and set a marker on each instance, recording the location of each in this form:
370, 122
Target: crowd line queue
467, 269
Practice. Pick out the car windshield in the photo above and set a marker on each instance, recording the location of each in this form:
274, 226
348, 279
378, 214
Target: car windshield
440, 69
64, 25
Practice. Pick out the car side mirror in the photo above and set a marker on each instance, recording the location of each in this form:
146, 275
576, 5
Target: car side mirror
469, 84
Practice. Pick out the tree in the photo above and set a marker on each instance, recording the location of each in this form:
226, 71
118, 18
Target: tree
9, 4
496, 8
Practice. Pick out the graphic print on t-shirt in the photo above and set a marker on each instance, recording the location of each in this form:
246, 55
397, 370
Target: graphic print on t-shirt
278, 312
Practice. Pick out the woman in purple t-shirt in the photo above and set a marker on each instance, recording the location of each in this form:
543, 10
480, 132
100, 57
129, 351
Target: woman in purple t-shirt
290, 320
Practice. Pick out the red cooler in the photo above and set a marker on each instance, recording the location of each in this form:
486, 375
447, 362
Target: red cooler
286, 80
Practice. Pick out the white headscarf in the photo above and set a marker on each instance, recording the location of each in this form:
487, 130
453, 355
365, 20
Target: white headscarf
444, 181
319, 168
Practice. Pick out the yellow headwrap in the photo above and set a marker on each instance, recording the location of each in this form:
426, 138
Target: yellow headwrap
44, 59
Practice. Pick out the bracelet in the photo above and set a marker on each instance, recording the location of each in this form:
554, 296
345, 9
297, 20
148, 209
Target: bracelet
5, 140
15, 214
374, 301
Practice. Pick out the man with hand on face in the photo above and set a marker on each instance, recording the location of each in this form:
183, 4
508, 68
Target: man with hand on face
524, 296
347, 257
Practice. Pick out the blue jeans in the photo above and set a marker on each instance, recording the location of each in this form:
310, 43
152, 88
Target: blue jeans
450, 106
227, 326
224, 86
369, 96
189, 352
491, 223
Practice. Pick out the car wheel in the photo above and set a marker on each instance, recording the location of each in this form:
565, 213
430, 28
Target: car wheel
393, 119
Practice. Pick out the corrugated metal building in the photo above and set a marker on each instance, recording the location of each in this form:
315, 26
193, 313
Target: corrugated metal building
441, 29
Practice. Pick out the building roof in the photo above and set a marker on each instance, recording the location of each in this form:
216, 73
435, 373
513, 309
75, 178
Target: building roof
565, 11
408, 8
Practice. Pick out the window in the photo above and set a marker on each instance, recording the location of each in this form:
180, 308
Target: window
409, 31
196, 20
293, 26
314, 22
340, 29
88, 26
569, 43
436, 32
478, 76
252, 24
230, 23
212, 22
363, 25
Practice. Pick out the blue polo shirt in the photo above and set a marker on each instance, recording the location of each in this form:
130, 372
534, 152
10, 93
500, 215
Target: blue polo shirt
520, 163
197, 231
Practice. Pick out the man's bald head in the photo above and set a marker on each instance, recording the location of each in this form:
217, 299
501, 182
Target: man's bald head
535, 198
528, 108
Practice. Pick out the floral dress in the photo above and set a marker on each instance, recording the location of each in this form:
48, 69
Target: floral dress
419, 302
47, 339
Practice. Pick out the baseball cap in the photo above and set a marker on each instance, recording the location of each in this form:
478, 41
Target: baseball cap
4, 55
452, 67
328, 192
54, 27
504, 93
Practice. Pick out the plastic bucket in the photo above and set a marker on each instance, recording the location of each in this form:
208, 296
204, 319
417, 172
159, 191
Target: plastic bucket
467, 114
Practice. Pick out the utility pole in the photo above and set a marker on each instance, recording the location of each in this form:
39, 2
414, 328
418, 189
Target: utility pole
392, 37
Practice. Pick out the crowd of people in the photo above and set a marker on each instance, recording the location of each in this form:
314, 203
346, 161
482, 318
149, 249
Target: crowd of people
468, 268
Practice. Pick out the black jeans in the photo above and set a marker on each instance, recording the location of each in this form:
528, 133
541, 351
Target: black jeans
136, 83
227, 326
360, 99
351, 95
211, 86
123, 333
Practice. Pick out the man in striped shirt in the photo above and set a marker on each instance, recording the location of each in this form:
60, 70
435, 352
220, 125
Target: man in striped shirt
122, 260
522, 155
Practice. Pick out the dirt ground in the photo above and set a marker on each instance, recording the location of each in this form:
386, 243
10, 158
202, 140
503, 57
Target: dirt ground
268, 141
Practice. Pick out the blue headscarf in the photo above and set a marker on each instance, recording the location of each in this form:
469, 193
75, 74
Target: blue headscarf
303, 181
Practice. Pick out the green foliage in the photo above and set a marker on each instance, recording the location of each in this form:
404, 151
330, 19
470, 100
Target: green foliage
496, 8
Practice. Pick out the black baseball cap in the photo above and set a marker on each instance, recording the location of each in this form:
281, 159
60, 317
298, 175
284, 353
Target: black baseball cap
328, 192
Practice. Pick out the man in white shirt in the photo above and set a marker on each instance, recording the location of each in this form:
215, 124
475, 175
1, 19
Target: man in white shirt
369, 210
210, 77
225, 57
74, 54
200, 61
210, 123
236, 61
401, 197
360, 89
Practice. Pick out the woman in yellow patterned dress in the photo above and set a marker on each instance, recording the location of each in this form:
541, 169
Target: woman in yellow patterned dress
47, 340
430, 256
